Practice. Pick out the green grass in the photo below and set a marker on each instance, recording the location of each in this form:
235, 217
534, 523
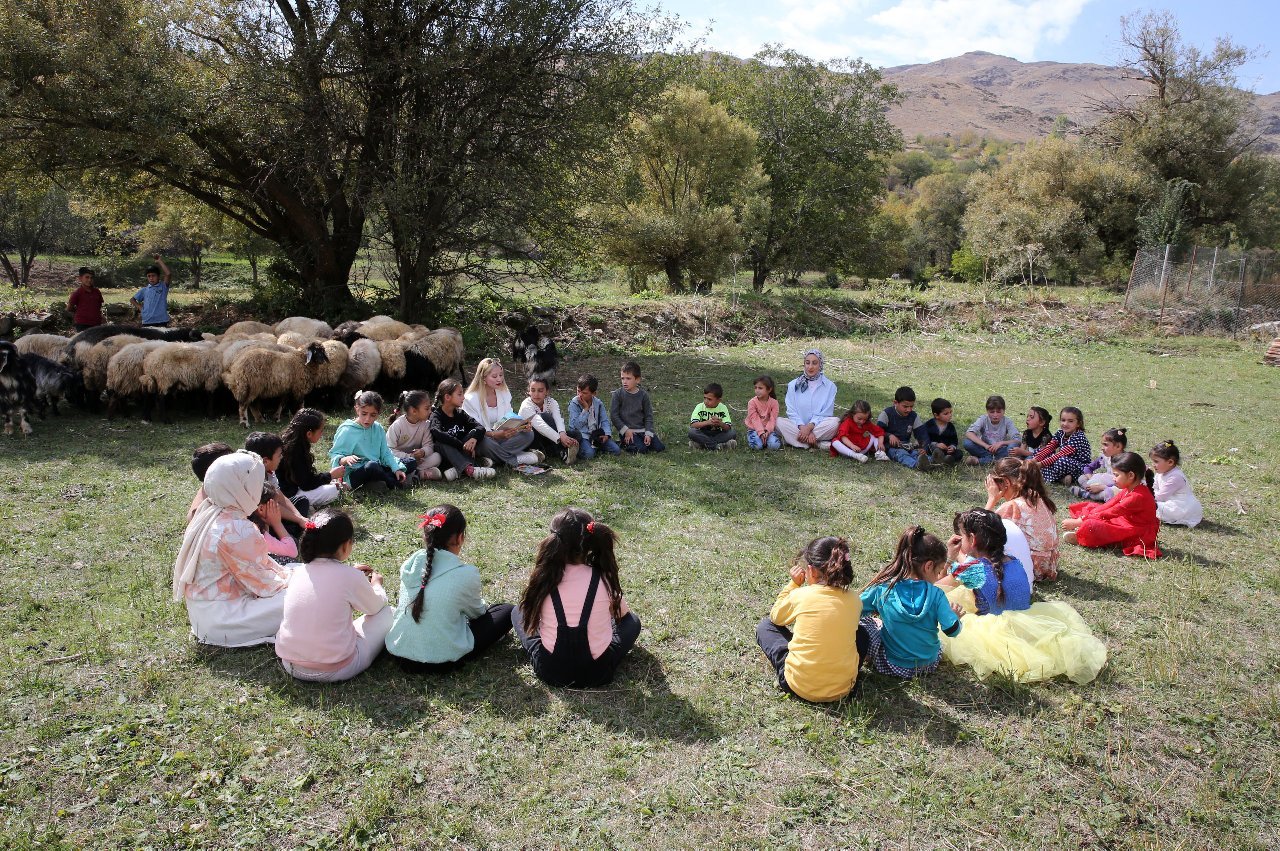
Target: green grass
118, 732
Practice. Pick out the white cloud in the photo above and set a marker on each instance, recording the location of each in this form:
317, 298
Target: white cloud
902, 32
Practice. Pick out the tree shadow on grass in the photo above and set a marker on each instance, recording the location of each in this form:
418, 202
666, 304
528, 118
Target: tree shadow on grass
1082, 588
640, 703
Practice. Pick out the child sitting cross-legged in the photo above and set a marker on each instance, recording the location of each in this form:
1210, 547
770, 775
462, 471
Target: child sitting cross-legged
409, 435
1175, 502
945, 443
318, 640
589, 421
1096, 482
306, 487
441, 621
906, 440
632, 413
1128, 520
762, 416
457, 435
710, 425
572, 620
903, 610
992, 435
360, 446
811, 636
1066, 453
858, 437
551, 437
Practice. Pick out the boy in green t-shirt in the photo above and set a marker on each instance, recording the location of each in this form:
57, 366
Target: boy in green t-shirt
710, 426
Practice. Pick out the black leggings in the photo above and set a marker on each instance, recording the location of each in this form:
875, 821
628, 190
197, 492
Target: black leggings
487, 630
775, 641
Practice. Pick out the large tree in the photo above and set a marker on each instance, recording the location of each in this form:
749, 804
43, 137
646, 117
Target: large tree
824, 143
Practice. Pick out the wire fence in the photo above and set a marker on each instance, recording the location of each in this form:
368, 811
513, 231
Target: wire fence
1193, 289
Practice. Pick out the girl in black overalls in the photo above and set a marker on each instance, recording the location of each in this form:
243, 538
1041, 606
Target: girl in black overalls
573, 622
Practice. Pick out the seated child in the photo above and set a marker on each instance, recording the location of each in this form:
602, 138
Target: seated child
232, 589
632, 413
762, 416
200, 461
1128, 520
811, 636
903, 641
942, 434
360, 445
280, 544
305, 487
710, 425
1018, 489
488, 401
992, 435
902, 425
456, 435
549, 433
1096, 483
442, 622
1175, 503
1009, 634
270, 448
575, 581
409, 435
1037, 433
318, 640
588, 420
1064, 456
858, 437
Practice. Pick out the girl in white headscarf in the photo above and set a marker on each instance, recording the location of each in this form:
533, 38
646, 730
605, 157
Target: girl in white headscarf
811, 399
232, 588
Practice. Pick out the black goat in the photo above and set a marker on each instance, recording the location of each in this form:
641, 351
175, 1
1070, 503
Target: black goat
538, 353
17, 389
98, 333
54, 383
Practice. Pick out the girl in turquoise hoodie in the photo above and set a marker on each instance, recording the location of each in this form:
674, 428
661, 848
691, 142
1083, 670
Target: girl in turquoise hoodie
360, 445
910, 608
441, 621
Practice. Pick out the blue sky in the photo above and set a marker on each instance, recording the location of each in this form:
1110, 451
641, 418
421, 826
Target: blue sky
898, 32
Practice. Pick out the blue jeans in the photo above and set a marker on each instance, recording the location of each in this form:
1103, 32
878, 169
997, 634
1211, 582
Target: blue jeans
906, 457
983, 456
587, 449
637, 447
753, 440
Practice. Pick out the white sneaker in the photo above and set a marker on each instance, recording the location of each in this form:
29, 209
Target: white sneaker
484, 462
571, 453
483, 472
881, 455
528, 457
451, 474
730, 444
824, 445
859, 457
542, 456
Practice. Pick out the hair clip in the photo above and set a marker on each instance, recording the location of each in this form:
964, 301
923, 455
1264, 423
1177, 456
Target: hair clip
591, 527
310, 526
433, 520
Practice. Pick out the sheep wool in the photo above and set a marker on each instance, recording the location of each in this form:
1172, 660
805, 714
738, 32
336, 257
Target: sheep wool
304, 325
93, 359
364, 363
50, 346
248, 328
383, 328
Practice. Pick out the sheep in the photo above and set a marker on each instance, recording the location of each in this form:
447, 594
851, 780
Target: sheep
126, 377
182, 366
93, 359
50, 346
295, 340
348, 332
98, 333
383, 328
231, 349
324, 374
260, 373
364, 365
17, 389
304, 325
248, 328
54, 383
432, 358
393, 360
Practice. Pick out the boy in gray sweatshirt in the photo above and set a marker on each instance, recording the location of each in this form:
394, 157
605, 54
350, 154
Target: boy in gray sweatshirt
632, 413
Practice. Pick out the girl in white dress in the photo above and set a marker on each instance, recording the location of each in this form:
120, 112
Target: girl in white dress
1175, 503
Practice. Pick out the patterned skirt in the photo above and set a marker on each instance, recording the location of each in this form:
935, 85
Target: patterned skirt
878, 658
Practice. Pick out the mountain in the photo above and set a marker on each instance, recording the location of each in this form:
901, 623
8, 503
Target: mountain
1002, 98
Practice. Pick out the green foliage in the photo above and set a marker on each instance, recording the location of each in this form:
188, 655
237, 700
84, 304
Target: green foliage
693, 172
1164, 221
185, 227
34, 218
965, 265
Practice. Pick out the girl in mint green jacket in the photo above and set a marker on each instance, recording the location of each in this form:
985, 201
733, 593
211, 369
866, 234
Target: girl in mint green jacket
441, 620
360, 445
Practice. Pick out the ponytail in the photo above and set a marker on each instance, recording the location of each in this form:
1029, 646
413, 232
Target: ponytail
408, 399
915, 548
439, 526
576, 538
829, 556
1132, 463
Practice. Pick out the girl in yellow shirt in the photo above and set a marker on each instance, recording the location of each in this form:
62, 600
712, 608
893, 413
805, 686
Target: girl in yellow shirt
811, 637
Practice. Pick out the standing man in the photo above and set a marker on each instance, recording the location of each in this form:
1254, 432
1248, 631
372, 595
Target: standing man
153, 299
85, 303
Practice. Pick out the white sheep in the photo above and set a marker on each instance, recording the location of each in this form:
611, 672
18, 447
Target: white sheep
364, 365
93, 359
325, 373
445, 349
383, 328
51, 346
295, 339
260, 373
126, 375
248, 328
176, 367
393, 360
304, 325
230, 349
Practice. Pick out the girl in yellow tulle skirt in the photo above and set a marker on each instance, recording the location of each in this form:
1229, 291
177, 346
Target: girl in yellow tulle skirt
1042, 641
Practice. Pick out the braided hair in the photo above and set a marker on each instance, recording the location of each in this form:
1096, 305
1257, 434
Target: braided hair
324, 534
829, 556
915, 549
576, 538
989, 536
439, 526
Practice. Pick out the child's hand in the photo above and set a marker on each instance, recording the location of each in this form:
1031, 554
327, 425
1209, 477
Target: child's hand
797, 574
1094, 488
419, 454
470, 447
338, 472
959, 610
270, 512
953, 547
566, 440
893, 440
628, 436
993, 489
648, 439
348, 460
400, 476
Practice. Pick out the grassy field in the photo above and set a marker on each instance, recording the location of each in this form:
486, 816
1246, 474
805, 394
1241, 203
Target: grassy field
119, 732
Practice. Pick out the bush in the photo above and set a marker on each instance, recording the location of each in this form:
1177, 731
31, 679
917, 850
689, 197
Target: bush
966, 265
279, 291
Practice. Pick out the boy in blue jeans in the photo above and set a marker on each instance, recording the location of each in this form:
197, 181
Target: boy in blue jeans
632, 413
902, 425
588, 420
992, 435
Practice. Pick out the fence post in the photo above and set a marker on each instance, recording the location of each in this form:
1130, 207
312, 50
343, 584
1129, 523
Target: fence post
1213, 269
1132, 271
1235, 322
1164, 284
1191, 272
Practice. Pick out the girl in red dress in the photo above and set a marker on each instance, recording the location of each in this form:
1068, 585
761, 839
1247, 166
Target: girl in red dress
1128, 520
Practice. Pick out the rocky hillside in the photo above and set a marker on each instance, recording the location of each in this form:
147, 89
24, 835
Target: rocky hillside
1003, 98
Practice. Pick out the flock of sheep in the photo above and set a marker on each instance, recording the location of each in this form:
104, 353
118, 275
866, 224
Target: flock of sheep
297, 358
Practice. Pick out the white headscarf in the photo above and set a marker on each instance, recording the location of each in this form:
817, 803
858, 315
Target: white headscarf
233, 481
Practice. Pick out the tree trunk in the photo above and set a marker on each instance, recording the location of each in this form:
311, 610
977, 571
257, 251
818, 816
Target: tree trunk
675, 275
197, 268
253, 267
10, 271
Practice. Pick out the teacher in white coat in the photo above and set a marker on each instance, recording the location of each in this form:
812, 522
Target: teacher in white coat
811, 400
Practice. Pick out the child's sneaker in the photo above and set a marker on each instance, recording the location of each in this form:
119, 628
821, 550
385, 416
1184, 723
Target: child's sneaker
939, 455
483, 472
693, 444
540, 455
530, 458
881, 455
729, 444
860, 458
824, 445
1079, 492
429, 474
571, 453
451, 474
484, 462
971, 460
